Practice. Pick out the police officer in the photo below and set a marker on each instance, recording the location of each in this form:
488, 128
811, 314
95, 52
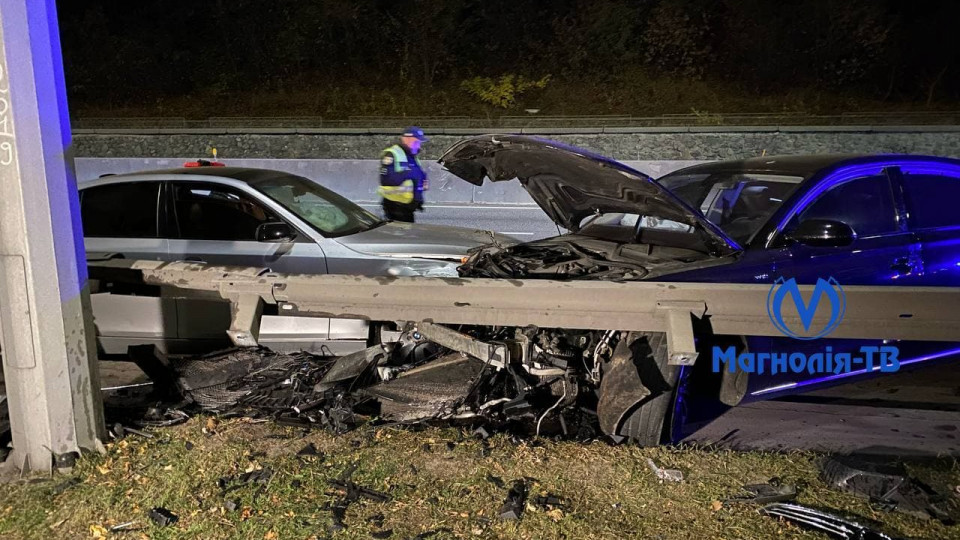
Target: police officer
402, 178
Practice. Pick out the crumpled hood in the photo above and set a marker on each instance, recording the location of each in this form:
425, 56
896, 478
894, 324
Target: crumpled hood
570, 183
396, 239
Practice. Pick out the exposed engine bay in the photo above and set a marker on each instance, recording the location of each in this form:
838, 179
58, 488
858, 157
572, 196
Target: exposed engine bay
581, 257
528, 380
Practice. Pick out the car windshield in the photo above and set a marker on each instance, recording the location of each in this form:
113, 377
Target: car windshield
324, 210
737, 203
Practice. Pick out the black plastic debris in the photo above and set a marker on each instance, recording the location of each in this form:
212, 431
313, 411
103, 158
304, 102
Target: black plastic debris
308, 450
188, 445
162, 517
513, 506
430, 534
496, 480
65, 485
120, 431
296, 484
770, 492
377, 520
354, 492
382, 534
547, 502
886, 484
828, 523
261, 477
67, 460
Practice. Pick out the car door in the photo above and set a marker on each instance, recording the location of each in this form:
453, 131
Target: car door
884, 252
217, 224
122, 219
932, 203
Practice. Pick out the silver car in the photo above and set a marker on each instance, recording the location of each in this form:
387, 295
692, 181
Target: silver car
248, 217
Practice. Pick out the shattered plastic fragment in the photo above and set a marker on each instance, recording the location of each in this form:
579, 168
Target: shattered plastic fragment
666, 475
162, 517
831, 524
770, 492
886, 484
513, 506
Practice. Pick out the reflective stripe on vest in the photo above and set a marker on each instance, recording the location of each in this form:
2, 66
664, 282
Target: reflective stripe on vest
401, 194
400, 157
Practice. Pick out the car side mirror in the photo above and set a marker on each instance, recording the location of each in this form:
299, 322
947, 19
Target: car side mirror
275, 231
823, 233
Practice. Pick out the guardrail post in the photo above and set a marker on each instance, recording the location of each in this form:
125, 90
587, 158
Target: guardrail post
49, 364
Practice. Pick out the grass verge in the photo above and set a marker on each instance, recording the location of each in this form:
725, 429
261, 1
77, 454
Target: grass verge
440, 480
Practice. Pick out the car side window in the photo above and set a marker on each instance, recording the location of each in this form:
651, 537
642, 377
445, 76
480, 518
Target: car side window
932, 200
865, 204
214, 212
126, 210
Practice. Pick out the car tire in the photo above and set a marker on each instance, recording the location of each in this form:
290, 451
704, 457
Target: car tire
643, 423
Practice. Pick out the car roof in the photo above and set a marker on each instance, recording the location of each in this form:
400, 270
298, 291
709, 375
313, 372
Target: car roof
247, 175
804, 166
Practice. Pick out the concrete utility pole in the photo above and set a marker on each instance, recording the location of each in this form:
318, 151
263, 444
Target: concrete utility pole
49, 358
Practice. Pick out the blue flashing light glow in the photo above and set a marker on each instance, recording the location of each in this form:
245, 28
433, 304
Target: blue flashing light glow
828, 378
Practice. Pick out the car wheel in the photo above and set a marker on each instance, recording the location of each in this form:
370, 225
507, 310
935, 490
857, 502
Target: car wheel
637, 389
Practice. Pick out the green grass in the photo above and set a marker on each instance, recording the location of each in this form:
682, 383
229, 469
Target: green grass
609, 490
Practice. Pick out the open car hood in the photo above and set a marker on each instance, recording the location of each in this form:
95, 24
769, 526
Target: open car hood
570, 183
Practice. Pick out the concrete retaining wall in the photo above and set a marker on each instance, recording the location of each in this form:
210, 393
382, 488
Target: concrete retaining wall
633, 144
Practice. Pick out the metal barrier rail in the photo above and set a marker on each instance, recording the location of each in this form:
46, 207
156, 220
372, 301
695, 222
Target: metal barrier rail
908, 313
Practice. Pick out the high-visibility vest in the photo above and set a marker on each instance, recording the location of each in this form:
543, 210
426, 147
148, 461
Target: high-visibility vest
404, 192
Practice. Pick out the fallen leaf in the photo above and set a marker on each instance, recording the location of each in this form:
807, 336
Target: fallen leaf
168, 468
716, 506
270, 536
556, 514
98, 531
211, 423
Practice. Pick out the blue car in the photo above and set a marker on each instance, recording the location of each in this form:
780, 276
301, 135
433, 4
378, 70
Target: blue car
858, 219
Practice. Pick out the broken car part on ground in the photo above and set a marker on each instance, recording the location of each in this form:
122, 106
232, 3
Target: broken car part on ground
530, 380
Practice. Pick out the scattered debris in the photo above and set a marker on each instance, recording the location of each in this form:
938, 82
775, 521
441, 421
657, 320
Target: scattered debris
886, 484
496, 480
123, 526
65, 485
665, 475
296, 484
162, 517
770, 492
831, 524
309, 450
119, 431
481, 433
67, 460
430, 534
516, 499
226, 484
353, 492
382, 534
232, 505
548, 501
377, 520
188, 445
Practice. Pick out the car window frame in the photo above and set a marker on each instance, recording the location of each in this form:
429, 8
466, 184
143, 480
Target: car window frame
157, 212
909, 206
173, 224
777, 238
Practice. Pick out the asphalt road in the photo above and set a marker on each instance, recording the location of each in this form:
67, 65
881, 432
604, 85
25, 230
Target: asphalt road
524, 222
915, 412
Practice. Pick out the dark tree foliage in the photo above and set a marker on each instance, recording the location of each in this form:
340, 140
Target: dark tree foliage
123, 51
